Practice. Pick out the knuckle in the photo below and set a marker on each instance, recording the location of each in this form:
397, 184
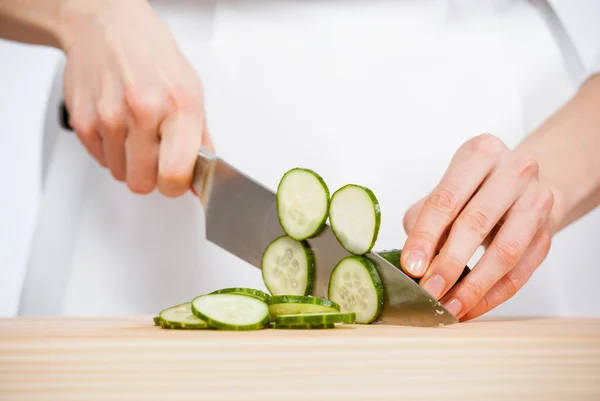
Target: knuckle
542, 207
526, 167
421, 236
487, 144
477, 222
85, 128
508, 253
451, 260
485, 303
145, 103
443, 200
545, 200
111, 118
186, 97
511, 283
473, 288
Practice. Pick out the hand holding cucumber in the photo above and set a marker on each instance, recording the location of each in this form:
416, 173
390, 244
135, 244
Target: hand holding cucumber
488, 196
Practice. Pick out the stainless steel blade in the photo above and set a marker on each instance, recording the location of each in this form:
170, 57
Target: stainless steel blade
241, 217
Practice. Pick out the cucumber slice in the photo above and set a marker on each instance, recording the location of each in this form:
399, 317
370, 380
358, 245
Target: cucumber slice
316, 318
263, 296
290, 305
156, 320
231, 311
302, 203
355, 217
288, 267
302, 326
181, 316
355, 285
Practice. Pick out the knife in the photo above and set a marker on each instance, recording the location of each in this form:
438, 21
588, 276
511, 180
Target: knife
241, 218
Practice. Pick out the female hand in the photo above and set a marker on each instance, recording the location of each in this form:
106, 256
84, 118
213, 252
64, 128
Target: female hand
135, 103
488, 196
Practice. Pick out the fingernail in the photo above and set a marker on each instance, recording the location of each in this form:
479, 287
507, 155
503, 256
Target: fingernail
454, 307
435, 285
415, 263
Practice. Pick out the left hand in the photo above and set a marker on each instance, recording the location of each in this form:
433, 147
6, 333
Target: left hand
491, 196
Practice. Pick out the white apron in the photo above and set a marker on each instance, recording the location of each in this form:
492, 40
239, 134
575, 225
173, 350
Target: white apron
372, 92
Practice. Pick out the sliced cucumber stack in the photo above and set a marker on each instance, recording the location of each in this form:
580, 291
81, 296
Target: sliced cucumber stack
355, 217
291, 305
181, 317
231, 311
302, 203
356, 286
288, 267
263, 296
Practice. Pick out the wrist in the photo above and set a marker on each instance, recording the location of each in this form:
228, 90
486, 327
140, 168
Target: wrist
76, 15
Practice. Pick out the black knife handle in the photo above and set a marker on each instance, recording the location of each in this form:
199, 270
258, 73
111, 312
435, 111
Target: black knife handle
63, 117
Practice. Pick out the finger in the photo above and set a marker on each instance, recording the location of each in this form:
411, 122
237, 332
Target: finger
467, 170
147, 108
530, 213
411, 215
84, 123
181, 138
477, 220
514, 280
113, 129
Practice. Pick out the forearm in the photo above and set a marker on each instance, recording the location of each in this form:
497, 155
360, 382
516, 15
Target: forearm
47, 22
567, 148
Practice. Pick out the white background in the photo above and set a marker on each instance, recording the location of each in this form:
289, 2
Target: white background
26, 74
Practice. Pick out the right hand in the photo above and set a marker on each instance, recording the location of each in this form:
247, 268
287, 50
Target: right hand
134, 101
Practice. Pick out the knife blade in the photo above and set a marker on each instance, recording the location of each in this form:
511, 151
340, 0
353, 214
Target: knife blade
241, 217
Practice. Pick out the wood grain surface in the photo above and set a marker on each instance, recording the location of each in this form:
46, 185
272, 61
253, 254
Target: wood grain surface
130, 359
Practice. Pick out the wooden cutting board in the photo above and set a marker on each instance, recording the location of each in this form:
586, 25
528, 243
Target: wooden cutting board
130, 359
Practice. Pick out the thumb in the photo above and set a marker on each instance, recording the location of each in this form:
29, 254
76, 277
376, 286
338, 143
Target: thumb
207, 144
182, 134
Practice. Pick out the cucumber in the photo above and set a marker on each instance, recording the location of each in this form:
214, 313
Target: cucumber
393, 257
231, 311
302, 326
290, 305
316, 318
356, 286
302, 203
355, 217
181, 316
288, 267
156, 320
263, 296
